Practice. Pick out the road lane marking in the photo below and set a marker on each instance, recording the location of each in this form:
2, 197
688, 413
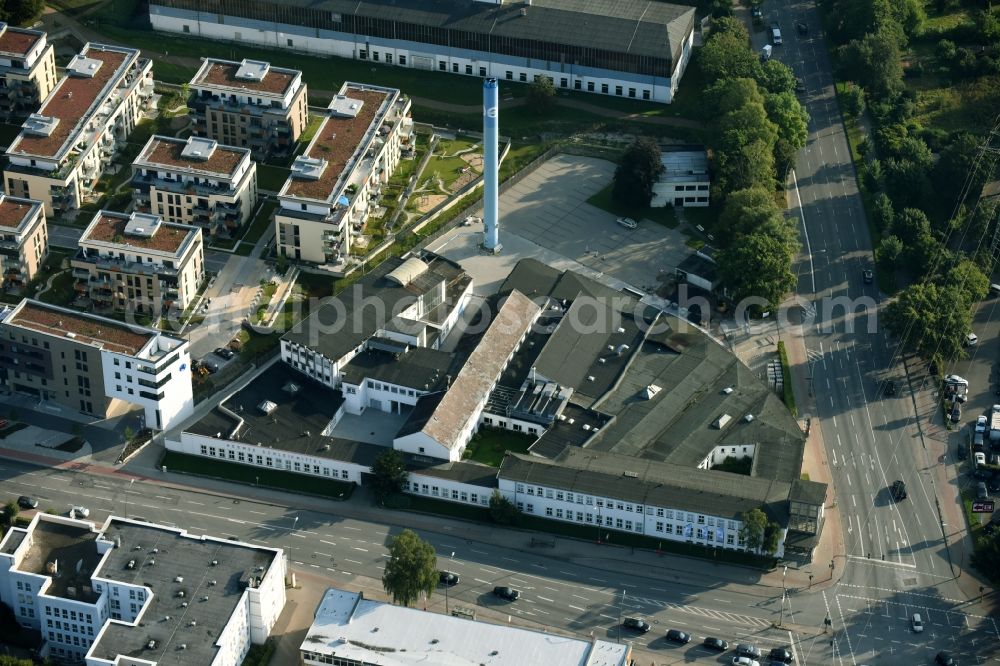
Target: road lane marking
363, 550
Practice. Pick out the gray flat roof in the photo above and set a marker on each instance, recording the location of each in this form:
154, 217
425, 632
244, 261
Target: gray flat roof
416, 367
214, 591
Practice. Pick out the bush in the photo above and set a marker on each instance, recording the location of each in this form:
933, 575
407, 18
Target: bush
260, 655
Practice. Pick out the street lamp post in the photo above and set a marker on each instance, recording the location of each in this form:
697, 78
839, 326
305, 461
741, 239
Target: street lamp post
781, 616
447, 585
127, 488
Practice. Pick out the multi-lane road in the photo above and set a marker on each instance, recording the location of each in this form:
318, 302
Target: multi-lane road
896, 560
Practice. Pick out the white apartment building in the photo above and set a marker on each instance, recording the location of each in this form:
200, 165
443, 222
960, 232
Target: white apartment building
337, 181
249, 104
24, 240
629, 48
97, 365
27, 71
131, 592
196, 181
138, 263
65, 147
685, 180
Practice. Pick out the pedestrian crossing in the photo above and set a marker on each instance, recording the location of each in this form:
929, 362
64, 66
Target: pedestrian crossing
735, 618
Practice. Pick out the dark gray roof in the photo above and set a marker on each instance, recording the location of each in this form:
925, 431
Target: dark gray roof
420, 414
12, 540
700, 266
345, 321
473, 473
165, 621
808, 492
647, 482
416, 367
307, 411
569, 430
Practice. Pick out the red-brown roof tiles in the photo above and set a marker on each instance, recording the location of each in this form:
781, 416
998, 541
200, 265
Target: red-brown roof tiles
335, 142
224, 74
223, 161
18, 42
87, 329
71, 98
111, 229
13, 212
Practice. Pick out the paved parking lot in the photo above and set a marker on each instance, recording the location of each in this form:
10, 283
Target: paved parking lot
546, 216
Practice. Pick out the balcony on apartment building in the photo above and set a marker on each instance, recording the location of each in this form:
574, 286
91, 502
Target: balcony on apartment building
124, 266
144, 182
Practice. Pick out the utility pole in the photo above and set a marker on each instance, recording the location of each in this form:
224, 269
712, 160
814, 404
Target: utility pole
127, 488
781, 616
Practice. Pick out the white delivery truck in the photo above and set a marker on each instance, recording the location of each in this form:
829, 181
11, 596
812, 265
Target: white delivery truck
995, 423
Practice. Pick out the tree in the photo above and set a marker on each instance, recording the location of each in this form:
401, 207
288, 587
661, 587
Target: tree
969, 277
128, 433
752, 531
502, 510
930, 320
410, 569
792, 121
883, 212
729, 24
777, 77
727, 56
10, 511
727, 95
541, 95
945, 52
854, 101
18, 12
7, 660
639, 168
388, 474
959, 164
753, 211
888, 251
758, 265
874, 62
871, 175
772, 537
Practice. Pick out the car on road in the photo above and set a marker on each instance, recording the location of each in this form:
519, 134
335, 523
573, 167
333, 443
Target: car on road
868, 275
981, 492
917, 623
636, 624
971, 339
782, 655
507, 593
211, 366
678, 636
627, 222
756, 12
713, 643
800, 85
79, 512
449, 578
469, 221
224, 353
898, 490
945, 659
982, 423
775, 34
748, 650
26, 502
745, 661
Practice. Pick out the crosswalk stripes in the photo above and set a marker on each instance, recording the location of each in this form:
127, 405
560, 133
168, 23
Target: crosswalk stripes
704, 612
814, 355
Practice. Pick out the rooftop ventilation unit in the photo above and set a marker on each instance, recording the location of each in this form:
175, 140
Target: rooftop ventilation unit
130, 565
199, 148
345, 107
39, 125
81, 65
722, 421
308, 168
651, 391
151, 645
267, 407
727, 390
252, 70
748, 418
179, 579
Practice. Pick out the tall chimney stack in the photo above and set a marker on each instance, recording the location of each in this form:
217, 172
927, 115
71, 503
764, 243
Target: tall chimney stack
491, 112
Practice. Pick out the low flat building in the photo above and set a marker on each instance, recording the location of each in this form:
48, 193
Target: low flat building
685, 180
98, 366
336, 182
27, 71
24, 240
249, 104
63, 149
138, 263
130, 592
196, 181
349, 630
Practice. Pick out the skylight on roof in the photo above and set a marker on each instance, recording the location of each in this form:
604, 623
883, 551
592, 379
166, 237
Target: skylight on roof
252, 70
81, 65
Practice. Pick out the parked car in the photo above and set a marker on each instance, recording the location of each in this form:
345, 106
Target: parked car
917, 623
713, 643
868, 275
979, 443
956, 412
211, 366
766, 52
945, 659
782, 655
755, 12
802, 28
775, 34
26, 502
981, 492
628, 222
748, 650
898, 490
504, 592
979, 459
79, 512
636, 624
222, 352
678, 636
971, 339
982, 423
745, 661
449, 578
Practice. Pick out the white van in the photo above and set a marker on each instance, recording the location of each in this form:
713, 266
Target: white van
971, 339
765, 53
775, 34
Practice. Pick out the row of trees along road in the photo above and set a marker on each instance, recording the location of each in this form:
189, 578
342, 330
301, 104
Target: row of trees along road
757, 126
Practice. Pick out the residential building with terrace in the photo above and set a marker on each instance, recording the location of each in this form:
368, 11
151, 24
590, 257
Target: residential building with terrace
64, 149
627, 48
27, 71
24, 240
336, 183
95, 365
116, 593
138, 263
196, 181
249, 104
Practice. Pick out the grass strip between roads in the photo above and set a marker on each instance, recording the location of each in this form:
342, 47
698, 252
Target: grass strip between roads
439, 507
786, 379
260, 476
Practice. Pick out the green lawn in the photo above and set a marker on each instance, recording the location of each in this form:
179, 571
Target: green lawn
271, 178
315, 120
605, 201
260, 224
61, 292
252, 475
489, 445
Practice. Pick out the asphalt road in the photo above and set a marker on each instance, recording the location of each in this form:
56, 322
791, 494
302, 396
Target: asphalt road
897, 563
